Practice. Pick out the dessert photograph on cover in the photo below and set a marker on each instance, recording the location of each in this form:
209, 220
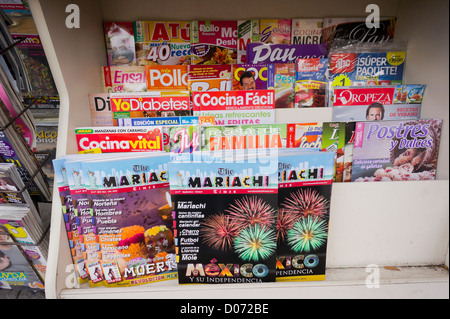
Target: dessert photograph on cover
174, 150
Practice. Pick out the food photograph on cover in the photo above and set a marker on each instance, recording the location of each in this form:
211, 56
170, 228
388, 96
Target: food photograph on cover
298, 63
396, 150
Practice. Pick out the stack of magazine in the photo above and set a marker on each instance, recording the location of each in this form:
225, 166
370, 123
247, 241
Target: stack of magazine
118, 217
24, 237
23, 229
11, 56
234, 217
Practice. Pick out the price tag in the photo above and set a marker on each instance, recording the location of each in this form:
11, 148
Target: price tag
341, 80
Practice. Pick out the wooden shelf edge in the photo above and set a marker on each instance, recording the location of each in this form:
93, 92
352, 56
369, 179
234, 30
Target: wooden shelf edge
400, 282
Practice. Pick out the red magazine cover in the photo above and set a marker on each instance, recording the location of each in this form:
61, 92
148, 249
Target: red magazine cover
304, 135
150, 104
236, 107
378, 103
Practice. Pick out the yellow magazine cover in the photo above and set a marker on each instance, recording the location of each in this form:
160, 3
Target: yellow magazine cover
162, 42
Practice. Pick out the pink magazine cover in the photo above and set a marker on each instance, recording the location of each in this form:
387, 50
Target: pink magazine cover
27, 132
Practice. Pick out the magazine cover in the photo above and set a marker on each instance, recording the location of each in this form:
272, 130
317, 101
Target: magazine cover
248, 31
236, 107
396, 150
216, 77
166, 123
242, 137
100, 106
119, 139
10, 181
46, 140
166, 77
119, 38
42, 104
225, 216
26, 127
13, 191
275, 31
15, 268
28, 233
249, 77
258, 53
304, 135
348, 150
70, 221
162, 42
43, 93
85, 225
333, 140
306, 31
311, 82
281, 78
9, 155
184, 140
356, 30
123, 79
214, 42
378, 103
36, 65
150, 104
366, 68
130, 202
304, 196
22, 224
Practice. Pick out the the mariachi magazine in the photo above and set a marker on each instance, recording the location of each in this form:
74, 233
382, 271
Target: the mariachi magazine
237, 216
225, 216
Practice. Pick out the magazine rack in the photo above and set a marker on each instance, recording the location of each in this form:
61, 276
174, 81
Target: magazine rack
11, 122
32, 177
14, 242
371, 223
19, 40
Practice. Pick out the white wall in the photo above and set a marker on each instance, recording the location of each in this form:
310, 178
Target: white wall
425, 25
